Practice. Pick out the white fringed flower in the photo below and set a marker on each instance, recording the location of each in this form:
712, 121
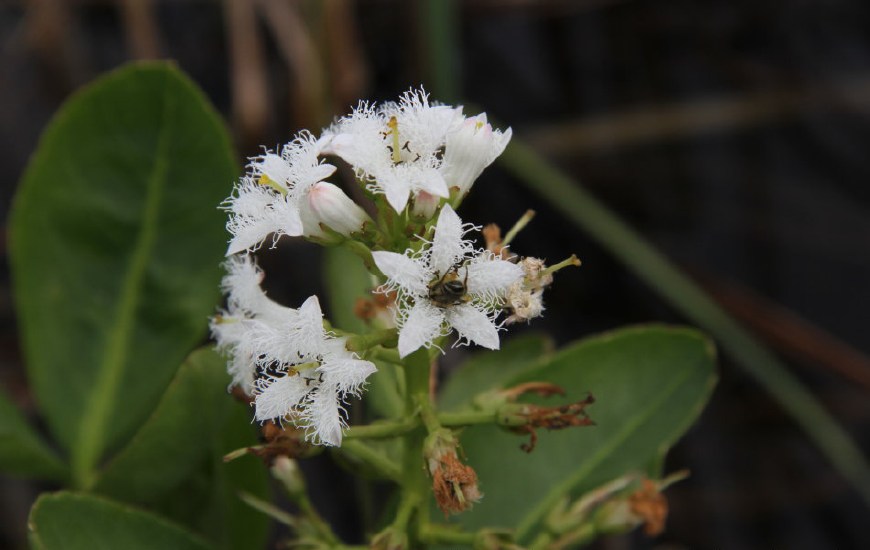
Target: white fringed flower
396, 148
314, 398
247, 305
271, 197
470, 149
284, 357
447, 285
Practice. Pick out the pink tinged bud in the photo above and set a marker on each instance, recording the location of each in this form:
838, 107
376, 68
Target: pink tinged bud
469, 150
327, 204
425, 205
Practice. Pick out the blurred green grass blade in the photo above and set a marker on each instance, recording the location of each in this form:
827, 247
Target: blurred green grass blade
568, 197
71, 521
116, 242
22, 451
439, 20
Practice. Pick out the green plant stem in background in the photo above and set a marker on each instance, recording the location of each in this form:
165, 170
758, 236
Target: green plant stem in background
373, 458
448, 534
569, 197
382, 429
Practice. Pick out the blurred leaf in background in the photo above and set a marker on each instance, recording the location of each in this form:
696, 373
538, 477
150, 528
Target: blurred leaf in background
117, 242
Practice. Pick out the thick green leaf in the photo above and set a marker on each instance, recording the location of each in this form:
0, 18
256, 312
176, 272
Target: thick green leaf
71, 521
173, 464
176, 438
116, 244
22, 452
208, 502
486, 370
650, 383
348, 280
241, 526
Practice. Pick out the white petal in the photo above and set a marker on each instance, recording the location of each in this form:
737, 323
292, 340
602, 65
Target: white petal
474, 325
275, 168
321, 172
347, 374
448, 246
398, 191
405, 272
323, 415
286, 217
307, 332
420, 327
276, 397
489, 276
432, 182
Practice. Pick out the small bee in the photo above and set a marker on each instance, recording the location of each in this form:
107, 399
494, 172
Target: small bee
449, 290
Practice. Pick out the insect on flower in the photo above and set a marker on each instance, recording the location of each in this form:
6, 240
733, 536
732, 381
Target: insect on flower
449, 289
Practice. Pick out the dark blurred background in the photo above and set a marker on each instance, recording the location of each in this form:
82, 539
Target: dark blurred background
730, 133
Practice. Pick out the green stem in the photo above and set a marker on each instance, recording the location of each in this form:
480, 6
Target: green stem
415, 482
269, 509
569, 197
385, 354
519, 226
360, 451
364, 253
446, 534
467, 418
427, 413
383, 429
362, 342
573, 261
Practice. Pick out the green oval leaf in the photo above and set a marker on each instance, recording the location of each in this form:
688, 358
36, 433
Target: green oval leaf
486, 370
208, 500
176, 438
22, 452
650, 383
116, 242
71, 521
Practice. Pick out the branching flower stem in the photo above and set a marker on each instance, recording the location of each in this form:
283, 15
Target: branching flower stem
362, 342
414, 502
363, 452
446, 534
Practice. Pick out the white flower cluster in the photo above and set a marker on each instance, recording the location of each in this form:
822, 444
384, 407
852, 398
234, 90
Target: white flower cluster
284, 357
417, 156
401, 150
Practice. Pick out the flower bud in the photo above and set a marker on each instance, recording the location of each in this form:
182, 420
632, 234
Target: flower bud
327, 204
469, 150
285, 470
425, 205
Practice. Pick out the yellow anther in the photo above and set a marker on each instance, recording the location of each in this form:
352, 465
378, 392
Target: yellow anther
396, 152
269, 182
